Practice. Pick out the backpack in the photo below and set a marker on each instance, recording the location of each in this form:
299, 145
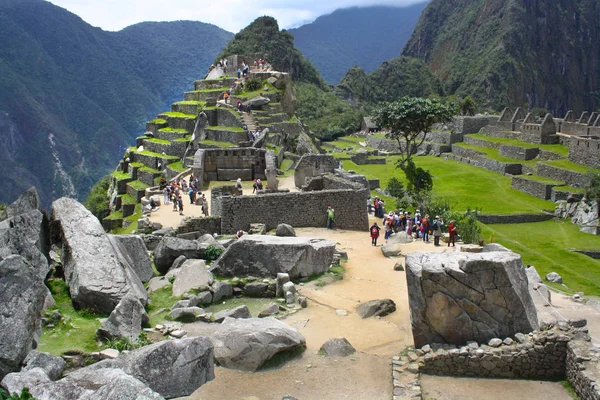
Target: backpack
435, 226
374, 231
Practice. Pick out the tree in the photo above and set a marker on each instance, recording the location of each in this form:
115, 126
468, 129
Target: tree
97, 201
467, 106
409, 120
592, 187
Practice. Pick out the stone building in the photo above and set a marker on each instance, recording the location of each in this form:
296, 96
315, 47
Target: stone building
367, 125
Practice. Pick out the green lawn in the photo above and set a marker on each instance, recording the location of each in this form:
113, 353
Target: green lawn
216, 143
544, 244
462, 184
554, 148
173, 130
541, 179
224, 128
494, 154
571, 166
178, 115
120, 175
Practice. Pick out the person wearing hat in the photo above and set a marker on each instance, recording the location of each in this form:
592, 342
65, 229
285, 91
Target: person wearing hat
436, 227
330, 214
374, 230
426, 228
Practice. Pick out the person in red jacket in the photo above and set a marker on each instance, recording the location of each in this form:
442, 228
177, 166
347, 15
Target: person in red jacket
374, 230
452, 232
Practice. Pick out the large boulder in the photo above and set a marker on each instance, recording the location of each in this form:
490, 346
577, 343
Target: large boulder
391, 250
95, 277
459, 297
22, 296
25, 235
376, 308
134, 249
192, 275
170, 248
285, 230
238, 312
257, 101
400, 238
266, 256
125, 321
28, 201
87, 383
246, 344
337, 347
53, 366
173, 368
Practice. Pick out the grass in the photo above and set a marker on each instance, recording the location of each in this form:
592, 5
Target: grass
286, 164
127, 199
554, 148
544, 244
174, 114
133, 219
571, 189
158, 121
115, 215
462, 184
541, 179
153, 154
138, 185
571, 166
161, 298
173, 130
76, 332
494, 154
216, 143
146, 168
159, 141
190, 103
177, 166
120, 175
225, 128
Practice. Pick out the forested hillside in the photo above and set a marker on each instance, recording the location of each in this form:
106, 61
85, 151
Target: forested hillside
362, 36
538, 53
72, 96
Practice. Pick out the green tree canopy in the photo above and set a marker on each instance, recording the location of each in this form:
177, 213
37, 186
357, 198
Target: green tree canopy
409, 120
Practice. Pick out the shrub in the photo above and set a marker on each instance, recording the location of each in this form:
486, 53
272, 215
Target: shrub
97, 201
253, 84
25, 395
212, 253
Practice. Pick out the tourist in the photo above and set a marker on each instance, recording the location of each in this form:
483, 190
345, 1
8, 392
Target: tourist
167, 194
180, 204
239, 107
254, 186
436, 227
191, 194
249, 109
126, 161
388, 226
425, 228
239, 234
369, 205
259, 185
238, 183
330, 217
175, 197
452, 232
226, 98
374, 230
204, 205
239, 73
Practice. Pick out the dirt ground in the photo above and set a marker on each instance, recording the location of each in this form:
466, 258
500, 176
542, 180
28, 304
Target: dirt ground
367, 374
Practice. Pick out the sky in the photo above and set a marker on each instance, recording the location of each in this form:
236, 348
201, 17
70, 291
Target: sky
231, 15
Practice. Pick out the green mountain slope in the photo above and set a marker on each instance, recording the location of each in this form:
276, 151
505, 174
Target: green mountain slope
72, 96
363, 36
540, 53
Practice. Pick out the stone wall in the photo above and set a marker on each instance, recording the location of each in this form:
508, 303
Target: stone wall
585, 151
362, 159
571, 178
222, 116
491, 165
513, 218
201, 225
481, 142
230, 164
382, 144
299, 209
581, 369
520, 153
538, 189
466, 125
311, 165
218, 192
224, 135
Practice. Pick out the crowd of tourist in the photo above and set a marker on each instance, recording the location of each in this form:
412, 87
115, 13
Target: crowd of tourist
175, 190
418, 226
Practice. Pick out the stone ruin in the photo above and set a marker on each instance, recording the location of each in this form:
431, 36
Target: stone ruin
524, 127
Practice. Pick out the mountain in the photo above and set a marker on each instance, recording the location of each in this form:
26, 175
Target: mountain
538, 53
363, 36
72, 96
396, 78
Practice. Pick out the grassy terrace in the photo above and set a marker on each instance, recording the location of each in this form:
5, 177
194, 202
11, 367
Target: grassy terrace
152, 154
177, 166
463, 184
217, 90
554, 148
133, 221
224, 128
541, 179
158, 121
494, 154
160, 141
570, 166
216, 143
544, 244
120, 175
138, 185
190, 103
116, 215
127, 199
174, 114
148, 169
173, 130
571, 189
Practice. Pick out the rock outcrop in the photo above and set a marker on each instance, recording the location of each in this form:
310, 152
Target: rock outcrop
53, 366
170, 248
125, 321
460, 297
173, 368
192, 275
96, 278
376, 308
133, 248
285, 230
337, 347
266, 256
28, 201
246, 344
22, 296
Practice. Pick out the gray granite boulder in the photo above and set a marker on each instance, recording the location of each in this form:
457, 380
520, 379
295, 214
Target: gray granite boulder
25, 235
134, 249
285, 230
170, 248
95, 277
125, 321
27, 201
53, 366
376, 308
256, 289
493, 247
257, 101
459, 297
22, 296
246, 344
173, 368
391, 250
221, 290
238, 312
185, 313
282, 279
272, 309
554, 277
400, 238
192, 275
266, 256
337, 347
88, 384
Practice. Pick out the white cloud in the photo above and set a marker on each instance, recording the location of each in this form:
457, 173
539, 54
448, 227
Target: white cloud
231, 15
